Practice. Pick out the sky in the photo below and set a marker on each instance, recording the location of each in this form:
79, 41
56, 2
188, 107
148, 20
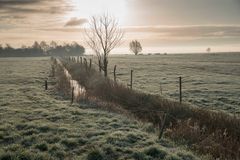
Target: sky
173, 26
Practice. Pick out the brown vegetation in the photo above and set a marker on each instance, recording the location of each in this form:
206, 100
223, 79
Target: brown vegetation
205, 131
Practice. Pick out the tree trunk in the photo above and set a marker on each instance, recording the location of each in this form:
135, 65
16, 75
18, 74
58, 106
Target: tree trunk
105, 66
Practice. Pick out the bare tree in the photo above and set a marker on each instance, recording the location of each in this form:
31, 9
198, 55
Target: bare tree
103, 35
44, 46
135, 47
208, 50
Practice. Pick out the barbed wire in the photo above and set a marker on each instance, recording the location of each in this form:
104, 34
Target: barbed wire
184, 79
165, 112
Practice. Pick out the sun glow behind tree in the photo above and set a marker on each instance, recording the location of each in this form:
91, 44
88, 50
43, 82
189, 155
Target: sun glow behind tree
88, 8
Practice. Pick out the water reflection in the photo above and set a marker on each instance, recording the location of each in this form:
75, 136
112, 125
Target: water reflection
79, 91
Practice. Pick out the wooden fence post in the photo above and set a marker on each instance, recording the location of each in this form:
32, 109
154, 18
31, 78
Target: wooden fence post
131, 80
99, 65
46, 85
85, 63
53, 70
114, 73
161, 126
180, 89
72, 95
90, 63
160, 88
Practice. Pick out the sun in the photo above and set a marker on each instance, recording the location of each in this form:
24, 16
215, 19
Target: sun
87, 8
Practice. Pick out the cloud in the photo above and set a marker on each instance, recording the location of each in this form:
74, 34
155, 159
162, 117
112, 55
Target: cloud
183, 12
18, 2
32, 6
75, 22
32, 13
68, 30
199, 31
169, 32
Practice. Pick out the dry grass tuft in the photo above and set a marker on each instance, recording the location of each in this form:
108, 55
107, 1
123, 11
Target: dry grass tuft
206, 131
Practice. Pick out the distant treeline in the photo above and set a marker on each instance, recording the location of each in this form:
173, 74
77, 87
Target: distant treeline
42, 49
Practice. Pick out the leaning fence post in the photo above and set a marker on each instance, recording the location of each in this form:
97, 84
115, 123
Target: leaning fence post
72, 95
180, 89
114, 73
162, 126
160, 88
46, 85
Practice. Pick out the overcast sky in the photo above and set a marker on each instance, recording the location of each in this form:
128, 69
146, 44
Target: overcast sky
161, 25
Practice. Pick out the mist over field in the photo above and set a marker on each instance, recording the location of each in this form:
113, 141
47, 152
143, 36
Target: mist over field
119, 80
209, 80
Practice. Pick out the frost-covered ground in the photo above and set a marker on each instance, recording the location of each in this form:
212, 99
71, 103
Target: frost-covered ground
37, 124
209, 80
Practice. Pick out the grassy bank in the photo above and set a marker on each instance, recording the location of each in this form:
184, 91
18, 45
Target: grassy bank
207, 132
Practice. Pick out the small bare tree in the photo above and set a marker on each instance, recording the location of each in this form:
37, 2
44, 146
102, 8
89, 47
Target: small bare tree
135, 47
208, 50
103, 35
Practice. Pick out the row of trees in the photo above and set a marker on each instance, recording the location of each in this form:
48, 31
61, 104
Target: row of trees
42, 49
102, 36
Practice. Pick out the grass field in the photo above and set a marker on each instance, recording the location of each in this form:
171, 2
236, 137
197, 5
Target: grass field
38, 124
209, 80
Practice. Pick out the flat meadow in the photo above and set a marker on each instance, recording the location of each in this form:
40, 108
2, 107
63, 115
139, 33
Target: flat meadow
38, 124
208, 80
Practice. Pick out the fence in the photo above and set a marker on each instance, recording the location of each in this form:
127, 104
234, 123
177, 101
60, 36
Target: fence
77, 90
84, 61
163, 115
197, 90
89, 63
